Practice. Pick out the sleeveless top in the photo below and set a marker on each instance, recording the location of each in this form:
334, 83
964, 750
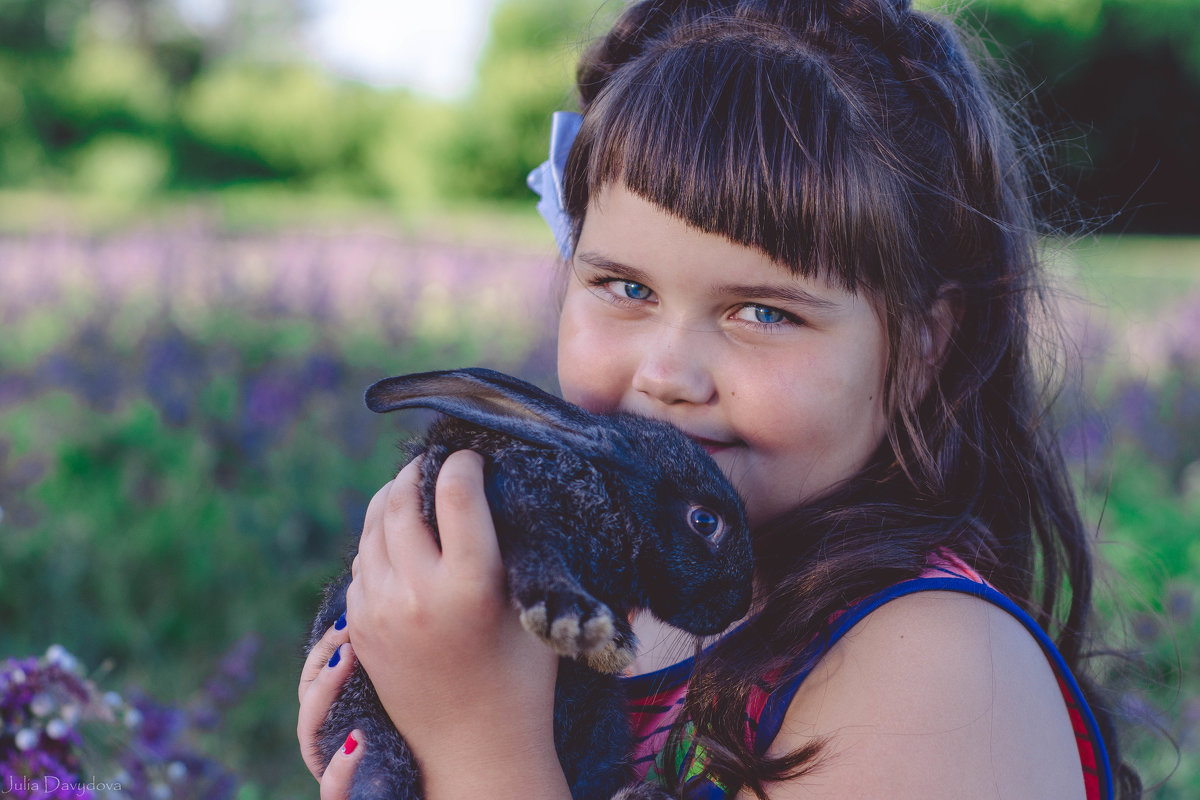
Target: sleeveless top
655, 698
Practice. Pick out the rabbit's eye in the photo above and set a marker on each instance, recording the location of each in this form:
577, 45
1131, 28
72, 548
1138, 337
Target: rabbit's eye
706, 523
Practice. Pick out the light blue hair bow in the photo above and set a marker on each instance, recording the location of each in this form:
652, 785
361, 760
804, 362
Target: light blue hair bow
547, 178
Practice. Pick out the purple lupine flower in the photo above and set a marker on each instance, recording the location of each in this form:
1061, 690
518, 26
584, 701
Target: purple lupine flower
41, 700
156, 727
15, 387
84, 367
1146, 628
233, 677
1139, 710
1181, 604
323, 371
173, 375
1189, 719
37, 774
272, 397
1086, 436
271, 400
43, 749
1140, 418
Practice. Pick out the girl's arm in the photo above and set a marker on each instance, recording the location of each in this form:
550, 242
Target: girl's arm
934, 695
467, 686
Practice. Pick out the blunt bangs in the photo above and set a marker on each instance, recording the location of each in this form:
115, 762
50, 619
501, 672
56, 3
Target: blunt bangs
751, 136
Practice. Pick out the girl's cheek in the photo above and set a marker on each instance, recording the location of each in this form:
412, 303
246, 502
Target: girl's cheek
581, 394
590, 363
588, 383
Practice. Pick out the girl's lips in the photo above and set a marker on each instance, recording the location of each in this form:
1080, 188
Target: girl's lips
711, 445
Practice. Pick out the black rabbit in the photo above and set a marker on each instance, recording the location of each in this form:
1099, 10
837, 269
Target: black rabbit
596, 515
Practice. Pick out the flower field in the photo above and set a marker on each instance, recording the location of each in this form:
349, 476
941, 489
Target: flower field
184, 457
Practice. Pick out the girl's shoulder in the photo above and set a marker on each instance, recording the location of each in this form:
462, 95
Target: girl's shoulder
935, 694
937, 687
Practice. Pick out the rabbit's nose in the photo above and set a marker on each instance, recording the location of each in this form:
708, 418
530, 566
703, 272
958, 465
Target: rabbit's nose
672, 368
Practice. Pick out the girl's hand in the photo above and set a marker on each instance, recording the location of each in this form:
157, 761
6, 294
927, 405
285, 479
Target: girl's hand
460, 677
335, 783
319, 684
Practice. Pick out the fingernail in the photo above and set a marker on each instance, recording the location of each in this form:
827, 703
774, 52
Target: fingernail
341, 622
336, 657
350, 744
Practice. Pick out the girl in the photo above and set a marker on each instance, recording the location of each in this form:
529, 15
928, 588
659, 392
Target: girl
801, 231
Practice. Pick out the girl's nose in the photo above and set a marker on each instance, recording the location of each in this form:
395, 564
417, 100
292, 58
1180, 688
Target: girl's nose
673, 368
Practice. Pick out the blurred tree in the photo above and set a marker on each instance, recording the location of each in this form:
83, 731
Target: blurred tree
1118, 82
90, 92
524, 75
201, 103
103, 85
286, 121
39, 26
404, 150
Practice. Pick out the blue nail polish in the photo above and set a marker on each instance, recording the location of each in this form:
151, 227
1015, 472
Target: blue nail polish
341, 622
336, 657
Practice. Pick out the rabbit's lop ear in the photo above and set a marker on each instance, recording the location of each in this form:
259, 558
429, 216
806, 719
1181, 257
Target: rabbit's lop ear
495, 401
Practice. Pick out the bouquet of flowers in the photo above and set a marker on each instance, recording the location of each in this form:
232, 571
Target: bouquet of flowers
61, 736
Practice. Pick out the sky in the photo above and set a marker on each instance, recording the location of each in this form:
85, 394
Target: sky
429, 45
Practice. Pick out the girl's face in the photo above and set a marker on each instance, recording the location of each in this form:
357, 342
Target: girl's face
779, 377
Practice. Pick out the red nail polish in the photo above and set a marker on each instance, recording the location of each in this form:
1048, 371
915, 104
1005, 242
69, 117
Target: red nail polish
350, 744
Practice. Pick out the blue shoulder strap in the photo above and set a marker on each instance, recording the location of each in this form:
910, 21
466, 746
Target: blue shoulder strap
776, 707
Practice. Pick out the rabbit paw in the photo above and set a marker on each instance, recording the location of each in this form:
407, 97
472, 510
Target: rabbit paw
617, 654
577, 625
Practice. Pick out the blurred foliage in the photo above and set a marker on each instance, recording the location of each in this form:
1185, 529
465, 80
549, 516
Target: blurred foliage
525, 73
233, 103
1130, 425
211, 115
184, 455
292, 120
1118, 84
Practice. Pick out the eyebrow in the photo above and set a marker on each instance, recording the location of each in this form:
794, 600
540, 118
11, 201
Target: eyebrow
784, 294
619, 269
791, 295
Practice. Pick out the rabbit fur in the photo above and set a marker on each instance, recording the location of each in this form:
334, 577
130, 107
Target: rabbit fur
596, 516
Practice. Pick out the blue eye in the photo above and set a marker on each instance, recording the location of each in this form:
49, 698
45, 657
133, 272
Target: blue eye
768, 316
706, 523
635, 291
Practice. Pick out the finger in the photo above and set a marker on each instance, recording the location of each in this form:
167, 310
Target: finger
319, 655
408, 540
335, 783
371, 547
468, 535
315, 704
377, 506
372, 544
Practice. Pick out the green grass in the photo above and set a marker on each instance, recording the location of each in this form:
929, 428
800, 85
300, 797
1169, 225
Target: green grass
258, 208
1138, 276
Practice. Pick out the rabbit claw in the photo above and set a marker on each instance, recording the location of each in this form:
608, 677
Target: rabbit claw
578, 627
570, 632
617, 654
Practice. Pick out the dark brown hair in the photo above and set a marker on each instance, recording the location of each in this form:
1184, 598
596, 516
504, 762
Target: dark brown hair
857, 140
